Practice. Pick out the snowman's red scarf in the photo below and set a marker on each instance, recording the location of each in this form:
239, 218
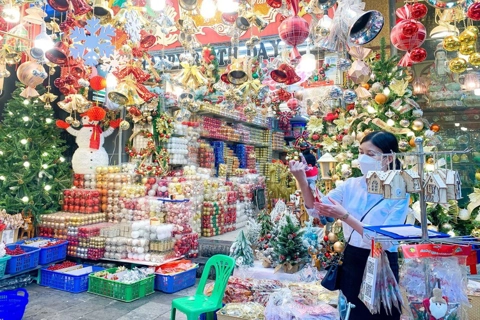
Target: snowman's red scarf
96, 135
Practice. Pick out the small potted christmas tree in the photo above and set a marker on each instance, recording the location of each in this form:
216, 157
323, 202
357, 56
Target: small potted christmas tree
241, 251
288, 246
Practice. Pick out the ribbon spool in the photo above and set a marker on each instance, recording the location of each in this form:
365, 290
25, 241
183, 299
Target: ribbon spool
366, 27
188, 5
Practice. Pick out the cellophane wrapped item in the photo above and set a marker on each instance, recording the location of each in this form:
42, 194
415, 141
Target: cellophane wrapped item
379, 286
248, 310
433, 263
286, 305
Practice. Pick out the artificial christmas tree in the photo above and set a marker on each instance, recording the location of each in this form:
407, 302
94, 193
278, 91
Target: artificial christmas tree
288, 246
33, 172
241, 251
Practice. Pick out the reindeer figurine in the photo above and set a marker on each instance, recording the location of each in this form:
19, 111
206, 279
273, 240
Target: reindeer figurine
27, 228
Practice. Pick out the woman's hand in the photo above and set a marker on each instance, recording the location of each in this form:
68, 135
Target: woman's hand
297, 169
335, 210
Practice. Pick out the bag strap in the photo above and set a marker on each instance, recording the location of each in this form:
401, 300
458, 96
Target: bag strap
362, 219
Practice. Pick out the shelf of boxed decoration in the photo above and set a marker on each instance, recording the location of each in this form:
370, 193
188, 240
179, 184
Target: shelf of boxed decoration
210, 113
260, 145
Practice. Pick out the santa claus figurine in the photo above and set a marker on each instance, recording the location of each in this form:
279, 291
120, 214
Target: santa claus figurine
436, 306
90, 138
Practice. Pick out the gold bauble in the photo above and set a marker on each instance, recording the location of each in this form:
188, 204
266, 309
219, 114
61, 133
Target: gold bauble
338, 247
69, 120
417, 124
473, 29
412, 142
467, 37
457, 65
332, 237
474, 59
338, 223
467, 49
451, 43
76, 123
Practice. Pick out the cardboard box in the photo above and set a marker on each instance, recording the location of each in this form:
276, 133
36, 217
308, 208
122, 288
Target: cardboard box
474, 312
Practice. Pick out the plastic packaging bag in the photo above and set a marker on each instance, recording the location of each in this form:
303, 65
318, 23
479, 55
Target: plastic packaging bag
379, 286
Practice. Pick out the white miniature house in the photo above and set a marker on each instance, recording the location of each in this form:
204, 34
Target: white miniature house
412, 180
394, 186
454, 185
375, 180
435, 188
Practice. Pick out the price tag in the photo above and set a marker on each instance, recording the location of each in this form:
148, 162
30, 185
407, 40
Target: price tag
369, 281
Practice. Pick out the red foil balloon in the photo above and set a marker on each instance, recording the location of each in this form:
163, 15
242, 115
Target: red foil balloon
473, 11
418, 10
98, 83
418, 55
401, 42
410, 28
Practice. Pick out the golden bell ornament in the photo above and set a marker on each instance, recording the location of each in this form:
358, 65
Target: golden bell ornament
13, 57
237, 75
451, 43
467, 49
257, 21
188, 5
457, 65
474, 59
120, 94
47, 106
467, 37
120, 18
102, 11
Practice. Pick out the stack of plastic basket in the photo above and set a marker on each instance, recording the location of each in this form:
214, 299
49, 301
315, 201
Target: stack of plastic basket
13, 303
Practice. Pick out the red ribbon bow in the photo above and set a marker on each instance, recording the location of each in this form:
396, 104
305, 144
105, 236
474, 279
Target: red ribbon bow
96, 135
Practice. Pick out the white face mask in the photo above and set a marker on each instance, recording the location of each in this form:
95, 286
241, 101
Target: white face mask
368, 163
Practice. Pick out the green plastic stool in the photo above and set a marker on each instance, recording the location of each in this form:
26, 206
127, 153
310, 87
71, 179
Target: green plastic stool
194, 306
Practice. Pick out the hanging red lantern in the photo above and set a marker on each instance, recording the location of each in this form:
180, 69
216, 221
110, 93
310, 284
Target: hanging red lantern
98, 83
473, 11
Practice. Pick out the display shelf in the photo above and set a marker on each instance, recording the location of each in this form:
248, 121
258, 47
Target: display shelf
232, 118
259, 145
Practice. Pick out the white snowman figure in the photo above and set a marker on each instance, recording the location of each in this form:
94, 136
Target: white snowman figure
90, 138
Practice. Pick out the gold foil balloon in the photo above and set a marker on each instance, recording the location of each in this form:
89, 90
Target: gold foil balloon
451, 43
457, 65
467, 37
473, 29
474, 59
467, 49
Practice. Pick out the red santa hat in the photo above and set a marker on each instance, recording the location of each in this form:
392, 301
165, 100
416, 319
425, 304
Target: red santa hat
311, 172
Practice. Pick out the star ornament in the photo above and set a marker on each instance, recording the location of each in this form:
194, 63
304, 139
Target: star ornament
399, 87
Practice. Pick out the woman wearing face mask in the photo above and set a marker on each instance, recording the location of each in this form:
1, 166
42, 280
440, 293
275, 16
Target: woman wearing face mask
351, 203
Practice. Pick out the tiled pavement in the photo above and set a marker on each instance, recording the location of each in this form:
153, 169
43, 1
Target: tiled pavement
49, 304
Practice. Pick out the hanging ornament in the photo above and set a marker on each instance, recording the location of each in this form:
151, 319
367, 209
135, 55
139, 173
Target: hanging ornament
31, 74
293, 104
404, 123
457, 65
98, 83
403, 145
349, 96
418, 54
344, 64
418, 10
335, 92
417, 124
435, 127
474, 59
124, 125
473, 11
451, 43
389, 113
381, 98
468, 36
409, 28
294, 30
359, 71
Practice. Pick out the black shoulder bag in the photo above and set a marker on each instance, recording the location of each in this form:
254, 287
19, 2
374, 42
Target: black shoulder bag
331, 279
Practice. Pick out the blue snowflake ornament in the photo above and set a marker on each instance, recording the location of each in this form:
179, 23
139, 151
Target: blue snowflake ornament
93, 42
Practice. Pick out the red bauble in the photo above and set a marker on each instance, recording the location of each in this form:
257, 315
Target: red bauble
401, 42
98, 83
134, 111
409, 28
3, 25
315, 137
473, 11
292, 104
275, 3
418, 54
418, 10
294, 31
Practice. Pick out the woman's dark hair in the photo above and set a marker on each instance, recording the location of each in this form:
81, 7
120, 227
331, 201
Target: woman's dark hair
386, 142
310, 158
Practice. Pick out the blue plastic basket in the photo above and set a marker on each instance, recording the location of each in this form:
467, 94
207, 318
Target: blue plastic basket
65, 281
49, 254
12, 304
176, 282
22, 262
